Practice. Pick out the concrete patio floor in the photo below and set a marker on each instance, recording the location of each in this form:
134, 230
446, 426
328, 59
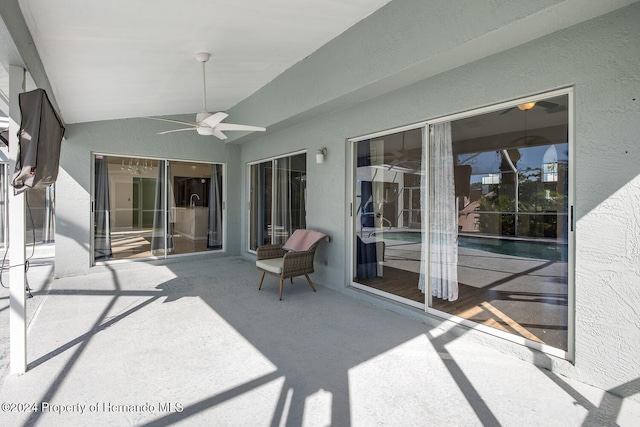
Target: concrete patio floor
195, 343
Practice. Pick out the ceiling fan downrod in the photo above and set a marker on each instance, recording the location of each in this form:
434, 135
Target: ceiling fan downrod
203, 57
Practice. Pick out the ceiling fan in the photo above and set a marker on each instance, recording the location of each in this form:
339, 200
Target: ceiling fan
550, 107
207, 123
401, 159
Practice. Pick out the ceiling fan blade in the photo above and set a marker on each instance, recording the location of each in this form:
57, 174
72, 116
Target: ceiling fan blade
180, 122
218, 134
548, 105
175, 130
214, 119
231, 126
401, 154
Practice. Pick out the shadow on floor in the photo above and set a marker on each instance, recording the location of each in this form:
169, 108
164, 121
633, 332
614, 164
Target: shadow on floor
198, 337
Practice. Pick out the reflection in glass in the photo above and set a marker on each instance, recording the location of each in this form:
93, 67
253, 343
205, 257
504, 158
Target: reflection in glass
277, 199
496, 216
512, 220
149, 207
387, 215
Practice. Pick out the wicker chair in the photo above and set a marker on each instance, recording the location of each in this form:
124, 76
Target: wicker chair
287, 262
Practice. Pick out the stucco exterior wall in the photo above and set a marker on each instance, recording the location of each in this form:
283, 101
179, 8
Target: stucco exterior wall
396, 68
599, 59
135, 137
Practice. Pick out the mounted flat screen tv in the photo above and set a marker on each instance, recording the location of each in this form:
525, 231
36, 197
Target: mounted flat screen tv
40, 135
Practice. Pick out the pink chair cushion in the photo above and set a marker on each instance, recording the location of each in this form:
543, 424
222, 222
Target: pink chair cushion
302, 240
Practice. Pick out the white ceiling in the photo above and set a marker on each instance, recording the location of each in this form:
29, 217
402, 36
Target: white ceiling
132, 58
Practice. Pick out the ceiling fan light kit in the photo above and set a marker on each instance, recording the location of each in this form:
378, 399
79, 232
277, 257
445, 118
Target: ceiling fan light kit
527, 106
208, 124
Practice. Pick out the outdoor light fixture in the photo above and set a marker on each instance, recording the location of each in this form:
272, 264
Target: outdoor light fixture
320, 155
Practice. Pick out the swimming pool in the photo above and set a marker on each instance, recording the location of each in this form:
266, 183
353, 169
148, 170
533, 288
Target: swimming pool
549, 250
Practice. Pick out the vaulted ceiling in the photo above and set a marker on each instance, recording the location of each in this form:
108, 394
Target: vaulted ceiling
114, 59
120, 58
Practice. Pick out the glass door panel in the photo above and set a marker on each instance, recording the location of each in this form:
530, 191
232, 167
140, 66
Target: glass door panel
196, 206
261, 202
289, 212
499, 220
387, 215
120, 185
277, 199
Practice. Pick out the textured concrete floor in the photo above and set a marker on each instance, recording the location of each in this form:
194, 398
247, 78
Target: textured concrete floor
195, 343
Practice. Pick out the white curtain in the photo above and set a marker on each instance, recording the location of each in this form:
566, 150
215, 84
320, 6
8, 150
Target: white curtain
442, 246
424, 183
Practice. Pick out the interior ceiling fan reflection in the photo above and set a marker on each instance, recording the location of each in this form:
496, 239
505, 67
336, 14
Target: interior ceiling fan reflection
401, 159
207, 123
550, 107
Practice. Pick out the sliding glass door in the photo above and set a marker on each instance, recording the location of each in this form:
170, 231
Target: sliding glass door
277, 201
4, 208
155, 207
469, 218
499, 221
387, 215
196, 206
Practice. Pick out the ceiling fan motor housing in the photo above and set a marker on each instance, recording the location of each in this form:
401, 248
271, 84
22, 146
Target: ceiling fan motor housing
200, 117
203, 129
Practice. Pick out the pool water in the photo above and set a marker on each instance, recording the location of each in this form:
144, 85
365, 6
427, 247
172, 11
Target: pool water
523, 248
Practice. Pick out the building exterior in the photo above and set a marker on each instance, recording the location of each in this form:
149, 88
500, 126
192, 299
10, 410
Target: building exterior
400, 73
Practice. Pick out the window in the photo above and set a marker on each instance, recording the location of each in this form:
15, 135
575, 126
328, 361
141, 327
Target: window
277, 201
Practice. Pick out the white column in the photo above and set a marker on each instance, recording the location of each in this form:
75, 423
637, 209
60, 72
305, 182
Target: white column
17, 275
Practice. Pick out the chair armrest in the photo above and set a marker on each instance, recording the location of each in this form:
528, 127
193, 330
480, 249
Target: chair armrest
270, 251
297, 263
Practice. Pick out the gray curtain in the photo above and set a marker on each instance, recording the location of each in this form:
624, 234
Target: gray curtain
162, 215
282, 220
3, 202
102, 212
49, 215
214, 231
260, 210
